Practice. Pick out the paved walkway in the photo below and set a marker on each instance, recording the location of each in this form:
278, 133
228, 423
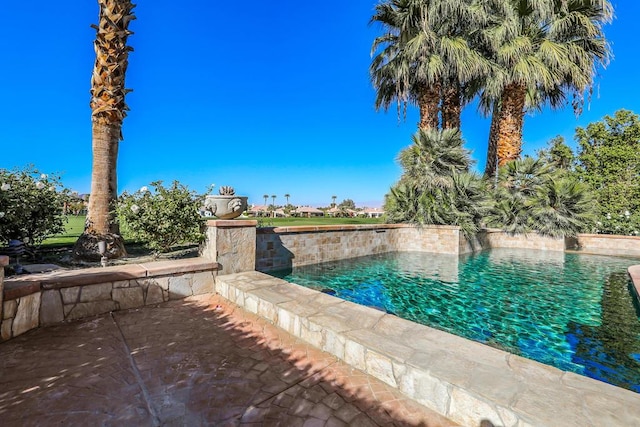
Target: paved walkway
194, 362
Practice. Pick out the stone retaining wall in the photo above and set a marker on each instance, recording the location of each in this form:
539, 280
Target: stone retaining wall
279, 248
287, 247
43, 299
605, 244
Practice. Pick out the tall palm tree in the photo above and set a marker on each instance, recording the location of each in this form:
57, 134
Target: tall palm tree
334, 200
424, 57
273, 199
266, 196
108, 112
286, 196
542, 51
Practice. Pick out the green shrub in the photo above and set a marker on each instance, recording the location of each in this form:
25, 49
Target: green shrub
161, 217
31, 206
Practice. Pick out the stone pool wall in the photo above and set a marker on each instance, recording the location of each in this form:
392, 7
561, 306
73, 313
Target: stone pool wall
605, 244
61, 295
280, 248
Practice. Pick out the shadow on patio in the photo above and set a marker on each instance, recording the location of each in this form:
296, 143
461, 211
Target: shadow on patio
200, 361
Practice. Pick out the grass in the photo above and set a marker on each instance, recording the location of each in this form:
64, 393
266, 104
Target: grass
73, 230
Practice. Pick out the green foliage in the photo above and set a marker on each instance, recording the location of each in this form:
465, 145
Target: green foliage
436, 187
31, 205
533, 196
609, 161
347, 204
161, 217
558, 154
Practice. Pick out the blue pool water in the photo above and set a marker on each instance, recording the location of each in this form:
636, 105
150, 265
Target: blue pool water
572, 311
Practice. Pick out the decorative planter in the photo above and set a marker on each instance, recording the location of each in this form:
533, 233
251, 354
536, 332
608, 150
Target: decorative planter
225, 206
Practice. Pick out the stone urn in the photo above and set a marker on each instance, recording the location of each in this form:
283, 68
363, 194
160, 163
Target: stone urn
225, 205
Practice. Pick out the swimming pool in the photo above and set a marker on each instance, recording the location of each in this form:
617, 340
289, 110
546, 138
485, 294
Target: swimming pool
572, 311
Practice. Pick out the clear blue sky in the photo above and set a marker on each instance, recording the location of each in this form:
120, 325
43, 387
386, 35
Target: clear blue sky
269, 97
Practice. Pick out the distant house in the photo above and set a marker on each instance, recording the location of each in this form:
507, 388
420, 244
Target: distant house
258, 210
341, 212
308, 211
372, 212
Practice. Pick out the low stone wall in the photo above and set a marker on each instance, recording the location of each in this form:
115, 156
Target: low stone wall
279, 248
493, 238
48, 298
605, 244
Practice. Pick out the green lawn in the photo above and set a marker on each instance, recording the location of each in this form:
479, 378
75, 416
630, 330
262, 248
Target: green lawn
73, 230
75, 225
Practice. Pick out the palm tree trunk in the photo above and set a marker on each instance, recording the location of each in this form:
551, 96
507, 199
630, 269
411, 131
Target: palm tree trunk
451, 106
108, 111
492, 150
101, 225
510, 122
428, 99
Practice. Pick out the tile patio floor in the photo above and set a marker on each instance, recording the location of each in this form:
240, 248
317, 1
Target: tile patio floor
200, 361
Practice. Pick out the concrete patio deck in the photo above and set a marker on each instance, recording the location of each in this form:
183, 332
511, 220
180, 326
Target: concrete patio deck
198, 361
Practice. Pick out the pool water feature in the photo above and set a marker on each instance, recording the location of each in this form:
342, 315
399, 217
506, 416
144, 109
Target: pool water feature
568, 310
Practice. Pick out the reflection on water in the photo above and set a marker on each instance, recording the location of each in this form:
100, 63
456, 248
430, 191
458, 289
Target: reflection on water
572, 311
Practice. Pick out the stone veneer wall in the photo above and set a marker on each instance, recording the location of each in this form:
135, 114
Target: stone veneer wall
231, 244
606, 244
48, 298
286, 247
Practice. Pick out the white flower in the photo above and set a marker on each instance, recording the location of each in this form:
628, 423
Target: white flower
144, 189
44, 176
1, 214
135, 208
52, 188
5, 186
626, 213
160, 197
39, 185
608, 216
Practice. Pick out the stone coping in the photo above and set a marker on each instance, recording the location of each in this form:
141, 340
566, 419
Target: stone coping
346, 227
466, 381
609, 236
228, 223
20, 286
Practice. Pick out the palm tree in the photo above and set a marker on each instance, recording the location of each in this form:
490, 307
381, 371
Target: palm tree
436, 187
334, 200
108, 112
433, 157
286, 196
266, 196
533, 196
541, 52
424, 58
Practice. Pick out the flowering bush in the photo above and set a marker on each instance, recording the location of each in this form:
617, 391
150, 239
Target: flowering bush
31, 206
161, 217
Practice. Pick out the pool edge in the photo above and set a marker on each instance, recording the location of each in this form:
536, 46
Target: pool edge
463, 380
